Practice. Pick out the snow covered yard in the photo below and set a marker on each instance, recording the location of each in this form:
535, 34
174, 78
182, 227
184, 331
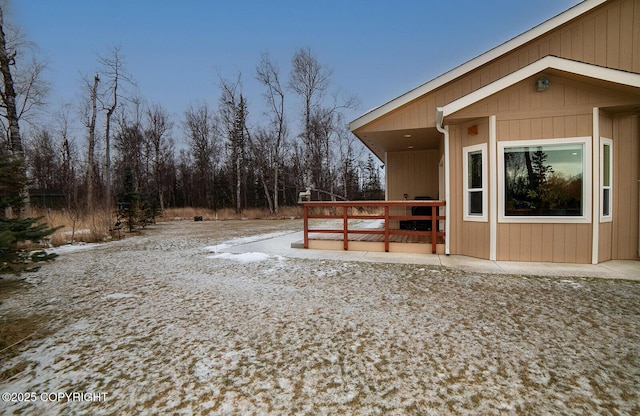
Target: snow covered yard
167, 323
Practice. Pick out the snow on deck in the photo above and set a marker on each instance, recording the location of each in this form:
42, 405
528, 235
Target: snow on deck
170, 323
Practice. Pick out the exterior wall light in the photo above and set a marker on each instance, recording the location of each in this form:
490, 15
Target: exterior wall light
542, 84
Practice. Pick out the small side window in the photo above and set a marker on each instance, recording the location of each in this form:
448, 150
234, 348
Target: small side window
475, 182
606, 179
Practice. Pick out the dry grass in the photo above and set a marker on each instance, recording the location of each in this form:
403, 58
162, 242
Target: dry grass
96, 227
77, 228
172, 214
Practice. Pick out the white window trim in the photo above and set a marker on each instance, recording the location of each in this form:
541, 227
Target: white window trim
585, 218
608, 142
484, 217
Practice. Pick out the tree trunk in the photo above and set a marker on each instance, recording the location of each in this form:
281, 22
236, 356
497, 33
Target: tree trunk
276, 173
9, 101
238, 180
92, 144
107, 154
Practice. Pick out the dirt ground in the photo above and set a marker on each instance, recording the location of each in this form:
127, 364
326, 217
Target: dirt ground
167, 323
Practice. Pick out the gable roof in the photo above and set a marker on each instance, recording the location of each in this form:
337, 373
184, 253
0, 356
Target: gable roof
548, 62
477, 62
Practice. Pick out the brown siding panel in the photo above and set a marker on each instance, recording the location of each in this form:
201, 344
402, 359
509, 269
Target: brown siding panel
626, 42
626, 149
412, 172
613, 36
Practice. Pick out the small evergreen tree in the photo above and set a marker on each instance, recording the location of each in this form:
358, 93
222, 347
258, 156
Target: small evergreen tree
18, 235
151, 207
129, 205
371, 187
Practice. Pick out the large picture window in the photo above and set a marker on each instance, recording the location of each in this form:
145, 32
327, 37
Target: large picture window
474, 161
544, 179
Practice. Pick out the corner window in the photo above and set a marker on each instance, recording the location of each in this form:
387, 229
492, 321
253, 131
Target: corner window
544, 180
475, 182
606, 179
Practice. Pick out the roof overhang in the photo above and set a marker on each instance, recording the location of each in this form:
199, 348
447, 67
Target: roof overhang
624, 78
477, 62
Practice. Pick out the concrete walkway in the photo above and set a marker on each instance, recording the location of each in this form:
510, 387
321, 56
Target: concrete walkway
282, 246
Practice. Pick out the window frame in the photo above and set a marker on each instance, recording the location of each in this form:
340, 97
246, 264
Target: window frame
609, 217
587, 197
466, 204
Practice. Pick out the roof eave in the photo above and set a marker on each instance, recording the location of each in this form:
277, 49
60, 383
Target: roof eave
617, 76
477, 62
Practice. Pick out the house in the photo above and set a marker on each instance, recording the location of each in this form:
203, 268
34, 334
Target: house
534, 145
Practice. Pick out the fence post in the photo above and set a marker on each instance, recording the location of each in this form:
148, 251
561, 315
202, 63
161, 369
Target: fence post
434, 229
305, 215
386, 228
345, 226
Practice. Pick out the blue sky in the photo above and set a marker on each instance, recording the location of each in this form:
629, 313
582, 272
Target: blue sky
175, 50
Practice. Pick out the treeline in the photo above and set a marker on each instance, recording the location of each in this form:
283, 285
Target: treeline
211, 156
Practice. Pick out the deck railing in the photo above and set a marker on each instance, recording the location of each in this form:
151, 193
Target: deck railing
347, 206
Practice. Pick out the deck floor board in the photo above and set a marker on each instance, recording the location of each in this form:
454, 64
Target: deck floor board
375, 238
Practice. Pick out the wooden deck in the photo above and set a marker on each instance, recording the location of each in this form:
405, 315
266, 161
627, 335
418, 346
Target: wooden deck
346, 211
376, 238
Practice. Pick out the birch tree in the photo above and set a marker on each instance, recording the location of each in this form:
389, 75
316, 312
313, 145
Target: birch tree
8, 95
23, 88
310, 80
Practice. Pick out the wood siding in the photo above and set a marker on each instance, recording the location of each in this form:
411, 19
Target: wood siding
412, 172
626, 173
467, 237
618, 239
605, 229
607, 36
560, 243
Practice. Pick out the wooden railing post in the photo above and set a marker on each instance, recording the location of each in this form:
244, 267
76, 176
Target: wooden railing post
345, 226
305, 211
434, 230
386, 228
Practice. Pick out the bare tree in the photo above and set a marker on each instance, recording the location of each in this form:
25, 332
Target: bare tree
157, 130
310, 80
91, 125
200, 125
270, 142
350, 151
113, 70
43, 160
69, 156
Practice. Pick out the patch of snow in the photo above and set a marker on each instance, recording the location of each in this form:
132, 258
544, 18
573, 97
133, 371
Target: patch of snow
242, 257
252, 239
216, 248
71, 248
367, 224
81, 231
